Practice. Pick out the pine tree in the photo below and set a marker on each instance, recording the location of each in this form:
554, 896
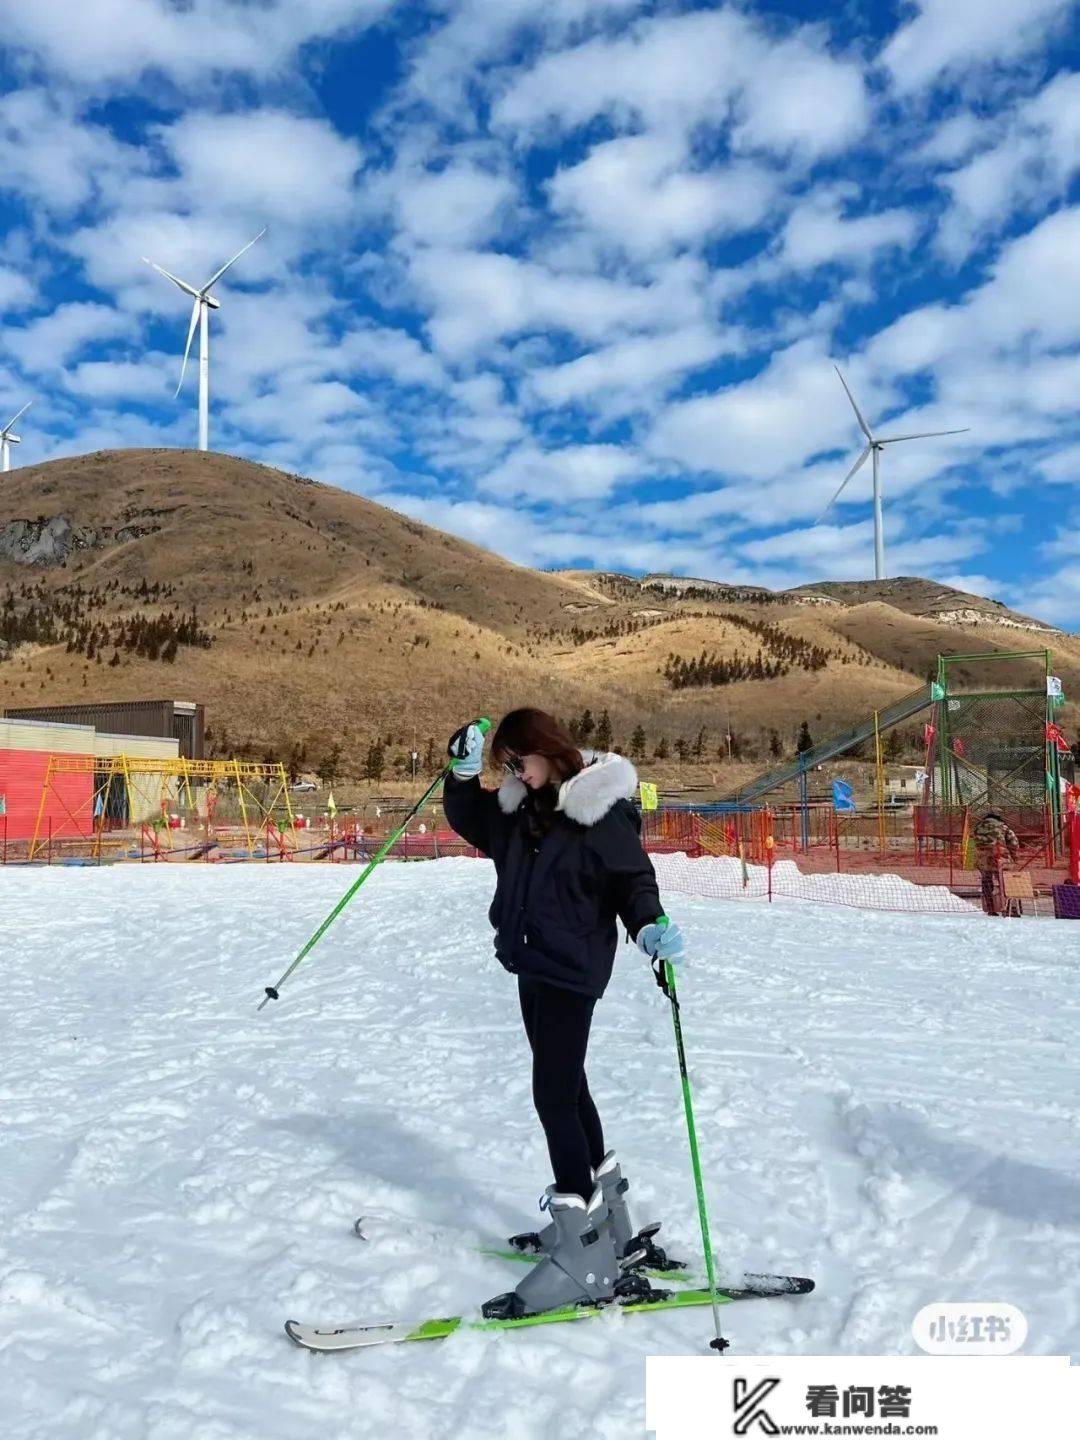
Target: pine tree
586, 725
775, 747
373, 764
603, 732
637, 743
661, 752
330, 765
805, 741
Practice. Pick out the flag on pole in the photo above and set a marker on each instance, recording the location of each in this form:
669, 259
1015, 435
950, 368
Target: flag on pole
842, 796
1056, 736
331, 808
649, 798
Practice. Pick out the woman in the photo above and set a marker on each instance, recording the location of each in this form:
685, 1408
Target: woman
569, 861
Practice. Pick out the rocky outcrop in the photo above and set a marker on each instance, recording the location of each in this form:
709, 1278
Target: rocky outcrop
45, 541
50, 540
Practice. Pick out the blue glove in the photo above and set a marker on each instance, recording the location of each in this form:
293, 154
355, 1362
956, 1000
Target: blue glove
466, 749
662, 940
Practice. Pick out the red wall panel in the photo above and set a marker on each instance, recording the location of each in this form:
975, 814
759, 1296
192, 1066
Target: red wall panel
68, 805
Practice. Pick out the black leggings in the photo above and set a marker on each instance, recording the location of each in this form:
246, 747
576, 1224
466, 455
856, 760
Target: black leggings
557, 1023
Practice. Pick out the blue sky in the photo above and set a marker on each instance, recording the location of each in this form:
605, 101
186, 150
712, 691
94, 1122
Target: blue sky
569, 280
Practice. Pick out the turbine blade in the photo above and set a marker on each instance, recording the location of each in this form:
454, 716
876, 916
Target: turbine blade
217, 276
11, 422
190, 337
925, 435
859, 463
858, 412
188, 289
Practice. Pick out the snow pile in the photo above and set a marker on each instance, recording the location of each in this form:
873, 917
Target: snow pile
721, 877
885, 1102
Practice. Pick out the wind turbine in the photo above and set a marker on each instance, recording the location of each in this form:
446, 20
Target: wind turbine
874, 447
7, 439
202, 303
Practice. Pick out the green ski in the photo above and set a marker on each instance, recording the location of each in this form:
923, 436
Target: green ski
360, 1336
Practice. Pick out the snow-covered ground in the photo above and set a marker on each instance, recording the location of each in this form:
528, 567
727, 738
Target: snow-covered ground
723, 877
886, 1102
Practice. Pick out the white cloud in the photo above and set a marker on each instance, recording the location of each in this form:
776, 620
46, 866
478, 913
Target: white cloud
17, 292
1053, 596
972, 584
151, 378
634, 373
371, 349
1064, 546
820, 546
102, 43
954, 140
267, 163
472, 427
527, 538
1062, 468
46, 344
303, 407
461, 204
799, 98
1031, 298
55, 158
449, 62
846, 552
576, 472
640, 192
476, 297
1030, 166
948, 35
762, 427
817, 233
676, 72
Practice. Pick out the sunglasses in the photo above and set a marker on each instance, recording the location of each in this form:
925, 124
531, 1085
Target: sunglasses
515, 765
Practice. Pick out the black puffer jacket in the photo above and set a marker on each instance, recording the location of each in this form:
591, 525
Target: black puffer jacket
558, 897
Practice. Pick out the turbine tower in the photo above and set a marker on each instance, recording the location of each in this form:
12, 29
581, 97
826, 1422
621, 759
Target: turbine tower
7, 439
202, 303
874, 447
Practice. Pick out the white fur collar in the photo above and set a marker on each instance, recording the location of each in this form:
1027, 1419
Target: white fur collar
586, 797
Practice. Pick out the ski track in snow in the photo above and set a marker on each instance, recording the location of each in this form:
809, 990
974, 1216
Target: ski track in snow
885, 1102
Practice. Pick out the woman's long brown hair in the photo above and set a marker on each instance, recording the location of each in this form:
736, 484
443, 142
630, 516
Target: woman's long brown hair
535, 732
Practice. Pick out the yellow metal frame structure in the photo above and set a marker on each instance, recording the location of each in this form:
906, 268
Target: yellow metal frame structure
166, 781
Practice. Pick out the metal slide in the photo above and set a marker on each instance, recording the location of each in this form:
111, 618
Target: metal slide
894, 714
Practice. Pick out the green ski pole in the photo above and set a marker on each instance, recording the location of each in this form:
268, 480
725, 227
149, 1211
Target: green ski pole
665, 978
272, 990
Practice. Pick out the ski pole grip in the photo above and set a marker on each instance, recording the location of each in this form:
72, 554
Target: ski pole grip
483, 724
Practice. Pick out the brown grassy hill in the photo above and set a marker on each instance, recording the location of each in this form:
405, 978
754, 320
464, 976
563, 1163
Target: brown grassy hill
926, 598
333, 620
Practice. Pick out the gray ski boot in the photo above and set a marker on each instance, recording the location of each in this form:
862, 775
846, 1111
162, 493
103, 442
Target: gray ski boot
616, 1216
609, 1177
579, 1269
633, 1248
